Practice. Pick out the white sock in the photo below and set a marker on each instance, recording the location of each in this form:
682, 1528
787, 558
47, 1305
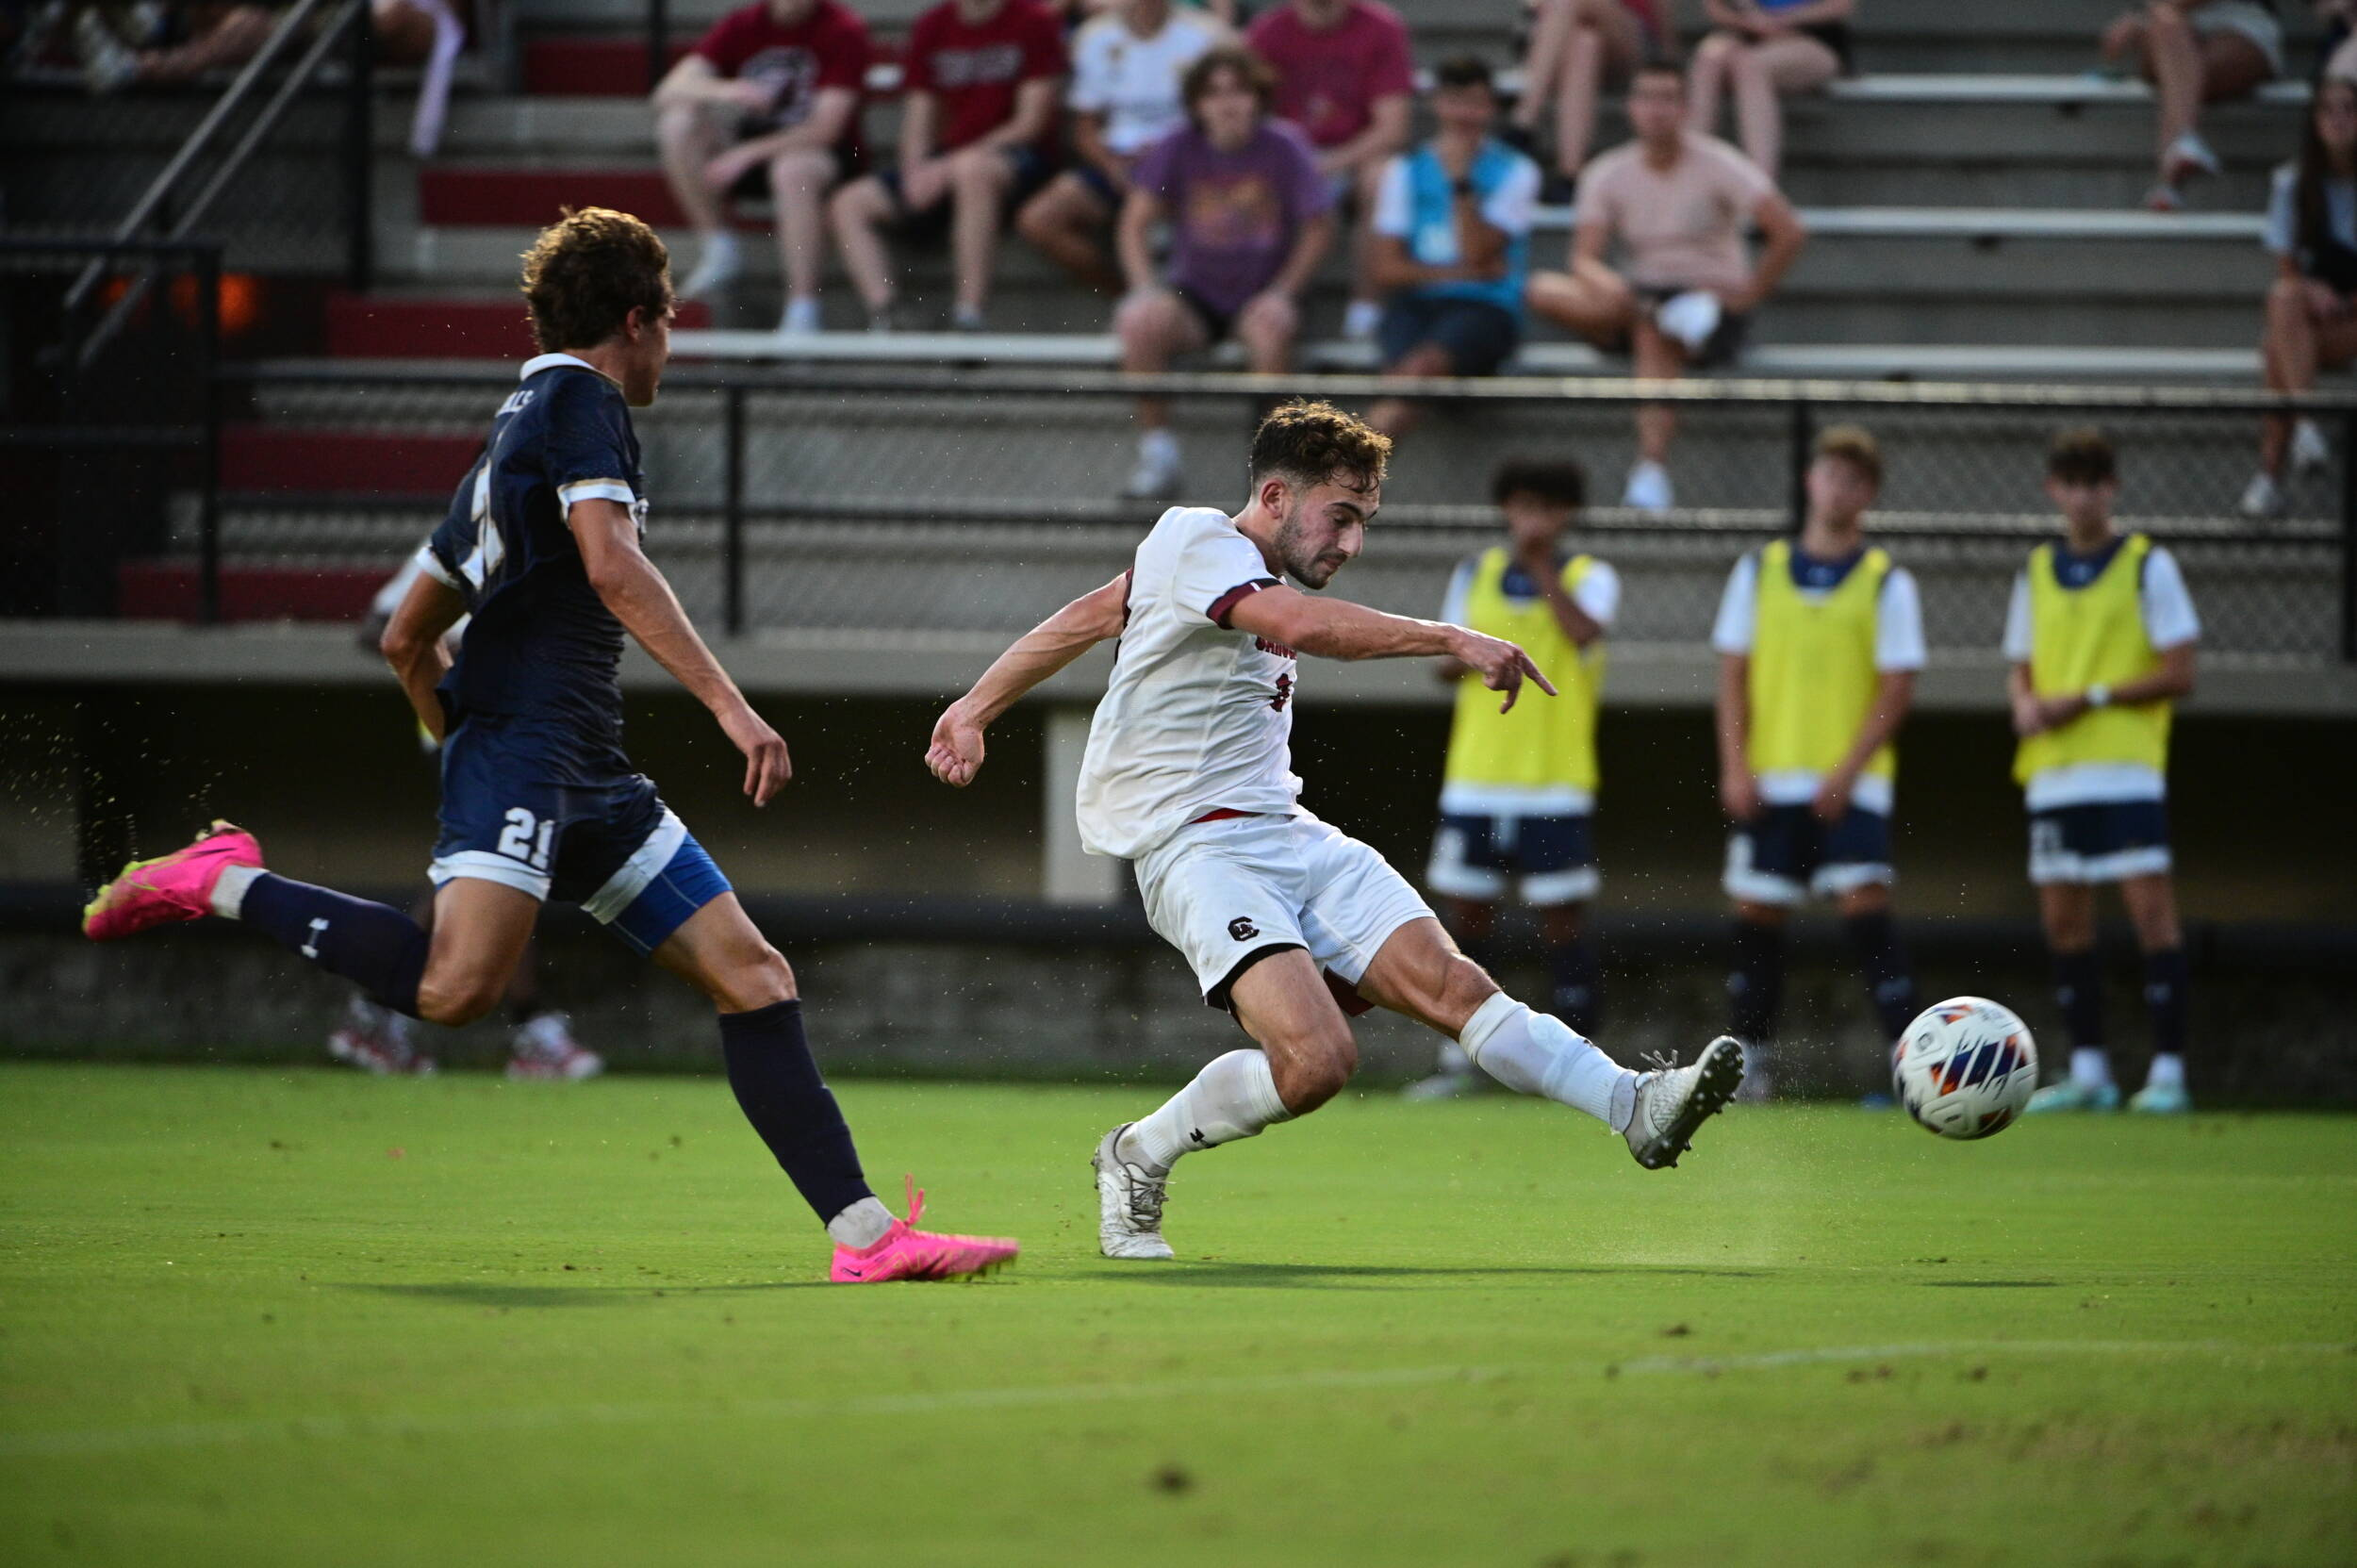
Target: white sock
2166, 1072
719, 249
1534, 1054
2090, 1067
861, 1224
1160, 445
1234, 1097
229, 892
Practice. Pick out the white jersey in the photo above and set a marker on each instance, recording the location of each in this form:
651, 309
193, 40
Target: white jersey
1198, 717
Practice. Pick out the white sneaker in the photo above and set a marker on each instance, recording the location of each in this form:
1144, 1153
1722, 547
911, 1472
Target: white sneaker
801, 317
2263, 498
1157, 475
2311, 452
545, 1050
1648, 487
1128, 1203
1360, 319
2189, 154
719, 264
109, 64
1672, 1101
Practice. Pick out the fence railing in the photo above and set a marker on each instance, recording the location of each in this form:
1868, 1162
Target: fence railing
927, 502
110, 433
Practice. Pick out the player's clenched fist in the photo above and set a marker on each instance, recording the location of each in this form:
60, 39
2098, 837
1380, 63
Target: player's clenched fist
956, 753
1502, 666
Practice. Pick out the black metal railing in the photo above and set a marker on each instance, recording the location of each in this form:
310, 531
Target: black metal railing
185, 194
104, 431
845, 497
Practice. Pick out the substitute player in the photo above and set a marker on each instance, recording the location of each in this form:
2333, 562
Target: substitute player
541, 549
1518, 787
1288, 923
1819, 637
2100, 633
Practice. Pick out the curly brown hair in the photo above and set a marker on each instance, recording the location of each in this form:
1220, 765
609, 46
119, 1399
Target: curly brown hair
2082, 456
587, 271
1310, 443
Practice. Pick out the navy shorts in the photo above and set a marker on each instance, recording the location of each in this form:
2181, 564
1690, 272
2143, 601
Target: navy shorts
1477, 336
1100, 185
1475, 856
2099, 841
1785, 854
610, 846
1031, 170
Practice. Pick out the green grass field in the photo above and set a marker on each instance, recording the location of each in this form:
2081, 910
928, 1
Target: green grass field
267, 1318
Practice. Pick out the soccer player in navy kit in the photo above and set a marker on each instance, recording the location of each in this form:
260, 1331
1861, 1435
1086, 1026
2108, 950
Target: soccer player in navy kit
541, 551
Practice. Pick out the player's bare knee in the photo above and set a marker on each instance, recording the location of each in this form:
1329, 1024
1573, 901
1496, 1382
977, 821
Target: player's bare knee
757, 977
452, 1000
1315, 1070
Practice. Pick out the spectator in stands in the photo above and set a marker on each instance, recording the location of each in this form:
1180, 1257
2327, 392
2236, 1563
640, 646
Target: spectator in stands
1576, 48
978, 132
1761, 49
2194, 51
1677, 203
1451, 248
1250, 217
2312, 307
769, 99
155, 47
1345, 76
1126, 68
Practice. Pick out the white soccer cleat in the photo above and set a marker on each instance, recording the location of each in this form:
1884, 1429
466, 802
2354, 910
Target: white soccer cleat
2263, 498
2311, 452
1672, 1101
1128, 1203
1648, 489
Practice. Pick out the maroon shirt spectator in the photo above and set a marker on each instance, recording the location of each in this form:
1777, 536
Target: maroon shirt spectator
974, 69
828, 47
768, 100
1330, 74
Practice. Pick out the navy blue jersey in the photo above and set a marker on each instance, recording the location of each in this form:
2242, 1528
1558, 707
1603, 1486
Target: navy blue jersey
541, 646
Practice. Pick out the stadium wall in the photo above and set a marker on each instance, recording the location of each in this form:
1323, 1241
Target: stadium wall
914, 914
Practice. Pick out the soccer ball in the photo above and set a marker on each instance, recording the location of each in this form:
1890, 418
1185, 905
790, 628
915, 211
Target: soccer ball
1965, 1067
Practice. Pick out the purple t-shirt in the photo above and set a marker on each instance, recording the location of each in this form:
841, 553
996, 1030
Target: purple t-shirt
1233, 216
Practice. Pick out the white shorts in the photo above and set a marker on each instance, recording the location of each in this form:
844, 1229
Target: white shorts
1230, 893
2248, 19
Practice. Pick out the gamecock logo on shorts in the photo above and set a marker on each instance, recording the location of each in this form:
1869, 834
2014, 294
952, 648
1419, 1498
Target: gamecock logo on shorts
1241, 929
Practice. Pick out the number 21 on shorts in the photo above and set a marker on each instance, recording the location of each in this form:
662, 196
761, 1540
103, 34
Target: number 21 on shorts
523, 840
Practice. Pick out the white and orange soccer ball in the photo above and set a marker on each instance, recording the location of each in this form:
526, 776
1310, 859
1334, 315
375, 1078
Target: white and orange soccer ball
1965, 1067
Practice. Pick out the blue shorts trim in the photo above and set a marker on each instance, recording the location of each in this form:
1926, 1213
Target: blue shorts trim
1785, 854
2099, 841
687, 882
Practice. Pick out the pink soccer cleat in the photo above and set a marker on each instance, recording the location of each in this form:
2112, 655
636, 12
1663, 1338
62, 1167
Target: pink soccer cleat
908, 1253
169, 889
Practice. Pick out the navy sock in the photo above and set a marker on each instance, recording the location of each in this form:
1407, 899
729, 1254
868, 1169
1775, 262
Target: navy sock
1578, 984
777, 1085
2079, 992
1755, 985
1883, 962
374, 945
2164, 986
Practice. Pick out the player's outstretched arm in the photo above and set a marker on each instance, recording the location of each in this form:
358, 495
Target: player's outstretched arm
1337, 629
412, 644
956, 753
649, 610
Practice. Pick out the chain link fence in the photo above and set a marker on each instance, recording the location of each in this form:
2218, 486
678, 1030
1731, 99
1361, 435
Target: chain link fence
912, 505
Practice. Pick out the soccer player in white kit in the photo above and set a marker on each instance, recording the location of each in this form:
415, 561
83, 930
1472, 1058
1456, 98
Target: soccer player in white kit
1288, 924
